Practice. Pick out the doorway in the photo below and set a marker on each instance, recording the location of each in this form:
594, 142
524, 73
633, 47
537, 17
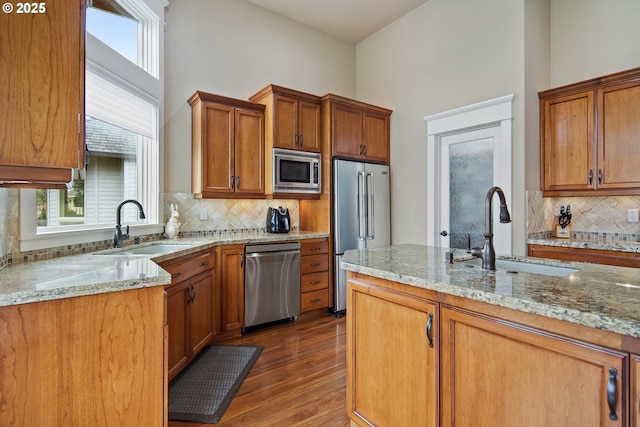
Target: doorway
469, 151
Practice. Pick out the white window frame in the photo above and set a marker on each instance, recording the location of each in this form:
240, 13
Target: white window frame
149, 83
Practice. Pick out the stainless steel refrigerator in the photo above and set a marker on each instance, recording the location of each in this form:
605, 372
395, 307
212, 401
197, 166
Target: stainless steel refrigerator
361, 215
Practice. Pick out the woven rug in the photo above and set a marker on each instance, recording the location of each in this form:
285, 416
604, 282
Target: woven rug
203, 391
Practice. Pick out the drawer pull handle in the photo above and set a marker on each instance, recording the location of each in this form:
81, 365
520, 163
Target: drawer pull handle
315, 300
315, 282
315, 264
429, 325
204, 264
611, 394
316, 248
175, 275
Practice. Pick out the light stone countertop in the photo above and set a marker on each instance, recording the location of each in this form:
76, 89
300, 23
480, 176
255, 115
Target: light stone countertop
108, 271
599, 296
587, 244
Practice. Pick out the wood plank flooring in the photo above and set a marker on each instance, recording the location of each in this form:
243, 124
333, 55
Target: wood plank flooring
298, 380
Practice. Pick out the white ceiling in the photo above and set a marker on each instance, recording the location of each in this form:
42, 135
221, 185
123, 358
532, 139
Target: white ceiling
348, 20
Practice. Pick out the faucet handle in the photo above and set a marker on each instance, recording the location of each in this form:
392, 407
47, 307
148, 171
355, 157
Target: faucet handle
468, 236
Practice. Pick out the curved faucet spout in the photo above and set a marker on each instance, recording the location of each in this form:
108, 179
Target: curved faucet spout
487, 253
118, 236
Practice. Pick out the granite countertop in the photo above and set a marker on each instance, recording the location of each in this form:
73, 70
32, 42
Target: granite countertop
599, 296
620, 246
111, 271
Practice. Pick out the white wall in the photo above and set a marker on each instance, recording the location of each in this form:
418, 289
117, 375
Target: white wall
591, 38
444, 54
235, 48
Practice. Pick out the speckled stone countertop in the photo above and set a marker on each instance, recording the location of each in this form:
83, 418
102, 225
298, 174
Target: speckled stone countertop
598, 296
111, 270
587, 244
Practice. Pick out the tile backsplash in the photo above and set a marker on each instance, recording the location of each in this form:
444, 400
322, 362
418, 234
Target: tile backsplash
591, 216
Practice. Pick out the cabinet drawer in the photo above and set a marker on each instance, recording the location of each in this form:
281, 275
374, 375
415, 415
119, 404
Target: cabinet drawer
314, 281
314, 246
314, 263
313, 300
192, 265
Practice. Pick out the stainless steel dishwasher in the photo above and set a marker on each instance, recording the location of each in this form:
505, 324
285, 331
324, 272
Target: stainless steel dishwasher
271, 283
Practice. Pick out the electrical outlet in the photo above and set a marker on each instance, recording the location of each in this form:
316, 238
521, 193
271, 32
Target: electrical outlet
632, 215
203, 214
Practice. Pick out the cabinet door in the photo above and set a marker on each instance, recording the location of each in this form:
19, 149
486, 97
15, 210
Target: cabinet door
42, 108
249, 146
567, 157
495, 373
232, 287
309, 126
392, 375
201, 307
635, 390
285, 122
376, 136
346, 123
218, 148
177, 307
619, 136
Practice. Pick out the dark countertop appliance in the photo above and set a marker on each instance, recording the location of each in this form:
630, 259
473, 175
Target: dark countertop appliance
278, 220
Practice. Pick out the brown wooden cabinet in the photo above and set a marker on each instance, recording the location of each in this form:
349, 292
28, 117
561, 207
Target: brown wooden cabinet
314, 274
392, 364
95, 360
231, 271
227, 155
190, 307
597, 256
589, 133
357, 130
292, 118
496, 373
635, 390
42, 108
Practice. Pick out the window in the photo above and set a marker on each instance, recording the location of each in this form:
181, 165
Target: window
123, 98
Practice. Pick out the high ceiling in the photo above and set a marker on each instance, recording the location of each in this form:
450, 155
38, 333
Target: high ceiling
348, 20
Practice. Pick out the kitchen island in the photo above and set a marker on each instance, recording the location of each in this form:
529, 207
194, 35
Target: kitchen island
84, 338
431, 343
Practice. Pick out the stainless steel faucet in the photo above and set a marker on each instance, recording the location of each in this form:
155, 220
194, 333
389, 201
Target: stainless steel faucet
118, 237
487, 253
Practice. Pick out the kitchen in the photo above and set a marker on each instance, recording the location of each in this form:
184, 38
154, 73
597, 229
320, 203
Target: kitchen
506, 30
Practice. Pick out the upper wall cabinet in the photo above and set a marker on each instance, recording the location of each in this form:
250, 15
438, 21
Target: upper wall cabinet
589, 137
292, 118
358, 130
42, 93
227, 152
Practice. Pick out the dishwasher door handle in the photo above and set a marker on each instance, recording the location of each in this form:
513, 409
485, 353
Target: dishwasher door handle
265, 254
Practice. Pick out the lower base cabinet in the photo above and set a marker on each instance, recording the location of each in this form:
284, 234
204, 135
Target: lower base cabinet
231, 271
481, 370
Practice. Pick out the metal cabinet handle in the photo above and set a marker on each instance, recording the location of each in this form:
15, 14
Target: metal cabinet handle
315, 282
204, 264
599, 176
429, 326
296, 140
300, 141
241, 260
590, 176
237, 182
611, 394
315, 300
175, 275
316, 249
193, 289
190, 299
315, 264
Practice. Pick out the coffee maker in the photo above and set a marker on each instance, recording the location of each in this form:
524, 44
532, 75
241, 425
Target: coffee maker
278, 220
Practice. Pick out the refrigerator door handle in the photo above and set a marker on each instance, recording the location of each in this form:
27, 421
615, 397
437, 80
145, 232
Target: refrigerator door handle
370, 202
362, 214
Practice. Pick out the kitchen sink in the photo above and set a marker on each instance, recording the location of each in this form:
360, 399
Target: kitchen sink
513, 266
152, 249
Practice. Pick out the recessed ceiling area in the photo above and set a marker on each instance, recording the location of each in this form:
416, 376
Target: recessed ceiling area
348, 20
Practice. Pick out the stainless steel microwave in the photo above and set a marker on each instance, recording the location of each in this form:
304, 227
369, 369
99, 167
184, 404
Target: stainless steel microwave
296, 172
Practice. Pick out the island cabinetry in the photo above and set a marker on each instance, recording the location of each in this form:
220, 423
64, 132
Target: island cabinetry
635, 390
357, 130
495, 373
42, 108
292, 119
589, 132
598, 256
190, 307
94, 360
227, 149
231, 279
392, 357
314, 274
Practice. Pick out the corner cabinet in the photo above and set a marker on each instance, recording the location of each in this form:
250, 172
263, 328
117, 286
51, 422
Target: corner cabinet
227, 148
231, 279
392, 357
420, 357
190, 307
357, 130
42, 108
589, 133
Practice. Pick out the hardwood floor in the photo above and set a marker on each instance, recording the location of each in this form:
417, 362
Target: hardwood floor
298, 380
